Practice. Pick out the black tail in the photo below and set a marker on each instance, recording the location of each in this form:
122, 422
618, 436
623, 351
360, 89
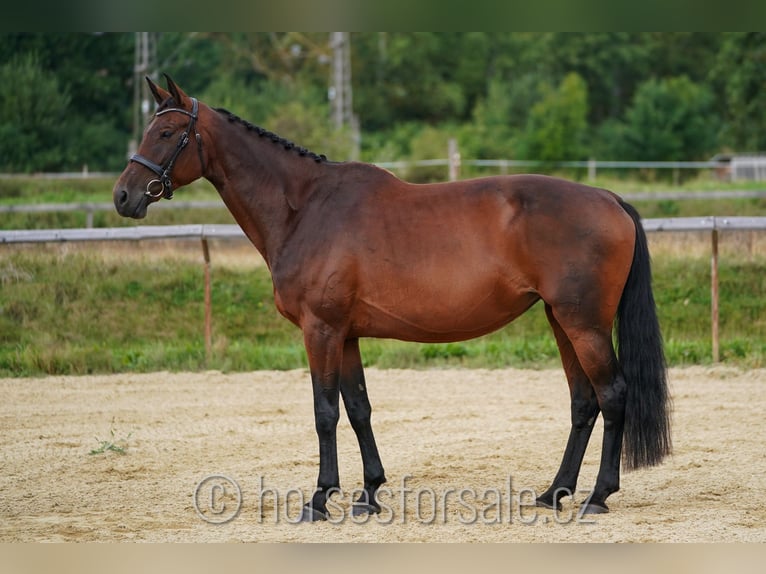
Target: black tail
646, 438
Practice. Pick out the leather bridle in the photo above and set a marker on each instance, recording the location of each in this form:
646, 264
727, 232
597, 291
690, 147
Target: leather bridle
163, 185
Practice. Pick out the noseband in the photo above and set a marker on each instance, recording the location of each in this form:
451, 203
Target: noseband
163, 186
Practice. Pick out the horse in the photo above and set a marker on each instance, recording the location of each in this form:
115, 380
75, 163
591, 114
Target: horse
354, 252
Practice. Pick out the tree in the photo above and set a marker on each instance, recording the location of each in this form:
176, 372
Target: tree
503, 94
33, 108
740, 73
78, 85
612, 64
407, 76
557, 125
670, 119
489, 135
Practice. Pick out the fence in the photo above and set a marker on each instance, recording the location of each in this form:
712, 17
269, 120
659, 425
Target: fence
712, 225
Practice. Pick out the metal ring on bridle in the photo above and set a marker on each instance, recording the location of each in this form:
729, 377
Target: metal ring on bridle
151, 185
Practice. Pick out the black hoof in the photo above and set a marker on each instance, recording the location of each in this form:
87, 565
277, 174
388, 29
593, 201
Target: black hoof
592, 508
548, 504
362, 508
309, 514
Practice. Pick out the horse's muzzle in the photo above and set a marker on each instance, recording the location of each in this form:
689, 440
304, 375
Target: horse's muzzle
127, 208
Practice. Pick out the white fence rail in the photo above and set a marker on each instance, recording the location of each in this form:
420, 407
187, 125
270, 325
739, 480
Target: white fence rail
223, 231
712, 225
136, 233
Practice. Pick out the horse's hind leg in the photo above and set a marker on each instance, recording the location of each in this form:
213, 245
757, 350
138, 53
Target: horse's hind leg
585, 409
354, 392
592, 345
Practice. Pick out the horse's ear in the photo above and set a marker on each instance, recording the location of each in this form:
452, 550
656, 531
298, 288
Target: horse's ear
159, 94
178, 94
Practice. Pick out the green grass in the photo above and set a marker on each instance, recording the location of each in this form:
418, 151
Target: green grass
82, 313
112, 444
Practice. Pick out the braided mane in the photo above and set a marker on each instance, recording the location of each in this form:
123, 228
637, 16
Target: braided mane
287, 144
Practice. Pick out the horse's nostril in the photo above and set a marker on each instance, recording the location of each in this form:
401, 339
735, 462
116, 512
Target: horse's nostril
123, 199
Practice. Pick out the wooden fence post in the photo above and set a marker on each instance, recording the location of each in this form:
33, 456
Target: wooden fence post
208, 309
714, 295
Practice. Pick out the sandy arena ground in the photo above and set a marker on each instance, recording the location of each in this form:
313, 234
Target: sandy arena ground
464, 451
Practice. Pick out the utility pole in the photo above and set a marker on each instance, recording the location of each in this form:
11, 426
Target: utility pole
340, 92
145, 64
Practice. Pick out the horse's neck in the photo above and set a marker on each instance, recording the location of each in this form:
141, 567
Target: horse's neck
261, 183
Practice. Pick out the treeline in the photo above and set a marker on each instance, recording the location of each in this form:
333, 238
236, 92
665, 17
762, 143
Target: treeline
67, 99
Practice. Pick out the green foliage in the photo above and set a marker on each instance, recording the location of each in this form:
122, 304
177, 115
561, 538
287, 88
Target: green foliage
66, 98
557, 125
670, 119
417, 76
63, 101
310, 127
612, 64
33, 107
740, 73
444, 351
113, 444
491, 133
430, 143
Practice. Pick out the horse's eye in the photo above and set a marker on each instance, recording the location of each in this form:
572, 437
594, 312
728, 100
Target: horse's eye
166, 134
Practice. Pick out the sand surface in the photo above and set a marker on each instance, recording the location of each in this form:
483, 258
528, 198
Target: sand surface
464, 452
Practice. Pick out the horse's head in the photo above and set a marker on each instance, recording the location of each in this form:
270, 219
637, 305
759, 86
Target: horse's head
162, 162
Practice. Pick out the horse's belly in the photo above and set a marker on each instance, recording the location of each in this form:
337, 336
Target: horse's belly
443, 316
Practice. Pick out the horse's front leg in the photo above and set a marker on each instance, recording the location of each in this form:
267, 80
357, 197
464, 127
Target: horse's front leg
325, 351
353, 389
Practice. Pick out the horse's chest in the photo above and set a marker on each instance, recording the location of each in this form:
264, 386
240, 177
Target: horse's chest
324, 295
290, 312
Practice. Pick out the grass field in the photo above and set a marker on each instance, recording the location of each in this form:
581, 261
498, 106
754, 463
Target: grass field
97, 310
139, 307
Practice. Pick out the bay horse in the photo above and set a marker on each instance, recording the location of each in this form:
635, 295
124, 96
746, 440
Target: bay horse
354, 251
